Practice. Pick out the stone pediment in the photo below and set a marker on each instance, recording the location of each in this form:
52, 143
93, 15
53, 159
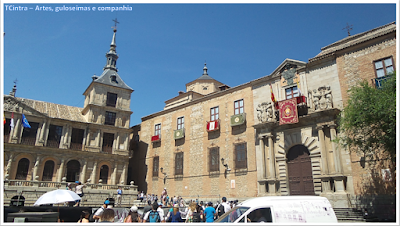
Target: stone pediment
13, 104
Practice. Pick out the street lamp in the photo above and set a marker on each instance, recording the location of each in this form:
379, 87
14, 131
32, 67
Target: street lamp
227, 169
165, 174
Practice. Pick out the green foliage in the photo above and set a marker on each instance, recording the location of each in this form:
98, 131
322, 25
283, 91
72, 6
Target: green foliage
369, 119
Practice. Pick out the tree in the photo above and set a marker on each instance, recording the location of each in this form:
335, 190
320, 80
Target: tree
368, 121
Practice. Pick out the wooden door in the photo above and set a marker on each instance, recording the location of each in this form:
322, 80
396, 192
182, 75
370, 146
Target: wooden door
300, 171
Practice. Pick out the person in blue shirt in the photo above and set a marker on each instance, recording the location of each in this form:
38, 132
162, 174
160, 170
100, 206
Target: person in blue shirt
209, 212
119, 196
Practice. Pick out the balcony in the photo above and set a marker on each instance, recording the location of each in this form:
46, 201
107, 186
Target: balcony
76, 146
107, 149
28, 141
53, 143
213, 125
380, 81
238, 119
179, 133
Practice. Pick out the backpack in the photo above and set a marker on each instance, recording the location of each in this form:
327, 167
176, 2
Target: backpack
196, 217
154, 216
221, 209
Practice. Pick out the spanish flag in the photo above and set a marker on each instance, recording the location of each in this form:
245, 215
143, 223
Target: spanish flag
4, 117
273, 98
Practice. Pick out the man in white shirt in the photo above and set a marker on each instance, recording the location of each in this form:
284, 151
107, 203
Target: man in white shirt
161, 212
99, 212
226, 205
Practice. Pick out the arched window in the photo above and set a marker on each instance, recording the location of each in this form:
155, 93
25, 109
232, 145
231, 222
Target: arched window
48, 171
73, 169
104, 173
22, 170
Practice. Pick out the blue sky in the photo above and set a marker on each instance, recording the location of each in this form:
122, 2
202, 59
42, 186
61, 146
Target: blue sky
161, 47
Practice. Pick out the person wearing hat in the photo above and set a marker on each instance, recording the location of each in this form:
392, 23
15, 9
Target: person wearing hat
209, 213
133, 215
99, 211
174, 215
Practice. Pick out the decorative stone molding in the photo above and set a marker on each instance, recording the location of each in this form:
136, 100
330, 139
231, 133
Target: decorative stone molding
265, 112
321, 99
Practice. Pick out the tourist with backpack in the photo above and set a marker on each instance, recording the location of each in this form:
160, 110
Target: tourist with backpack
152, 216
209, 213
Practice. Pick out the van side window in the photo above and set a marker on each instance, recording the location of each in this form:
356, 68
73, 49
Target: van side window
260, 215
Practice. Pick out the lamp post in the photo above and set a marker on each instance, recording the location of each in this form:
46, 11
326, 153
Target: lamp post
165, 174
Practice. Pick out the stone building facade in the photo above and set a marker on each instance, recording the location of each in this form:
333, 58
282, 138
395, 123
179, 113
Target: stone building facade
283, 159
202, 146
67, 144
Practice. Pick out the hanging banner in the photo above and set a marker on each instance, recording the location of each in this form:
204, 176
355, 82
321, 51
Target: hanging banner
288, 111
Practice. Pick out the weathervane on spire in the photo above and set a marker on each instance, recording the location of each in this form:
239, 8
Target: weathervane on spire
349, 28
115, 24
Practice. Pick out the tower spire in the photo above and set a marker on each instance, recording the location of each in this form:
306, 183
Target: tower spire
111, 55
14, 90
205, 69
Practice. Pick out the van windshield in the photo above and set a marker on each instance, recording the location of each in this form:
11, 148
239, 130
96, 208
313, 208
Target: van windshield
232, 215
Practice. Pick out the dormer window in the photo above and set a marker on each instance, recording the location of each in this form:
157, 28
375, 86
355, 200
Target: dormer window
113, 78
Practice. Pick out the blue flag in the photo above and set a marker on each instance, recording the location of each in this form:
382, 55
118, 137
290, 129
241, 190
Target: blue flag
25, 122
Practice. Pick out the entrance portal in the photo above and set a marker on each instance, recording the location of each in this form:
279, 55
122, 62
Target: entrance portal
300, 171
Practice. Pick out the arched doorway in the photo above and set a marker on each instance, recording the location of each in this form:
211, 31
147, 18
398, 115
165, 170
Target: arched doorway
300, 171
22, 169
73, 169
48, 171
104, 174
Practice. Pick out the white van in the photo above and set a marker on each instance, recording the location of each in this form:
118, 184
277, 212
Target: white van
281, 209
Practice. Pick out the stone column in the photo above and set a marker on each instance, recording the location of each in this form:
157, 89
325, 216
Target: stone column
126, 142
123, 178
43, 129
35, 168
271, 158
9, 164
83, 173
264, 157
88, 137
114, 174
93, 176
61, 170
336, 153
99, 137
16, 135
324, 164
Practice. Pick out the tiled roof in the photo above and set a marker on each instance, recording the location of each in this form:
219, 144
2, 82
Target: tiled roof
55, 110
105, 78
354, 40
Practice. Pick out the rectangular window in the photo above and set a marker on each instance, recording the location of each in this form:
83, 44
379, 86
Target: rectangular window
54, 138
181, 123
179, 163
214, 113
108, 140
157, 129
291, 92
155, 166
111, 99
77, 139
29, 134
239, 107
214, 159
383, 67
241, 156
110, 118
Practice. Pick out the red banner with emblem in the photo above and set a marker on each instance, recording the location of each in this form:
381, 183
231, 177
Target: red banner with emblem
288, 111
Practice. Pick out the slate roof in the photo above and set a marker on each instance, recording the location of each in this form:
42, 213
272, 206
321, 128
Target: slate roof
354, 40
105, 78
55, 110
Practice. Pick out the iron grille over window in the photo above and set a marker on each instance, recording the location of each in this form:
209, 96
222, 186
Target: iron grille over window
214, 159
155, 166
241, 156
239, 107
54, 138
48, 171
108, 140
111, 99
110, 118
179, 163
77, 139
29, 134
22, 169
